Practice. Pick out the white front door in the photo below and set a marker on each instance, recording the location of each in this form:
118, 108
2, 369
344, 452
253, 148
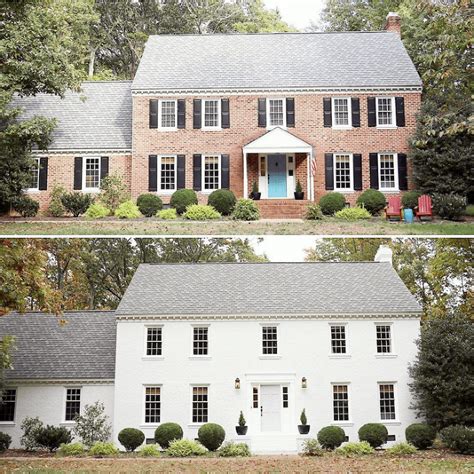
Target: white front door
270, 407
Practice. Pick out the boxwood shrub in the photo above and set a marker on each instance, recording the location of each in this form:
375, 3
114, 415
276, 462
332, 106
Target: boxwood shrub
223, 200
420, 435
149, 204
375, 434
331, 203
330, 437
25, 206
373, 200
131, 438
51, 437
167, 432
182, 198
5, 441
211, 435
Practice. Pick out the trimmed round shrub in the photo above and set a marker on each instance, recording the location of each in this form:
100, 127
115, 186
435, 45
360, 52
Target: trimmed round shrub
401, 449
420, 435
375, 434
353, 213
5, 441
201, 212
410, 199
449, 206
76, 203
51, 437
246, 210
149, 204
25, 206
330, 437
167, 432
234, 450
71, 449
314, 213
97, 211
182, 448
182, 198
168, 214
100, 449
223, 200
127, 210
355, 449
458, 438
149, 450
331, 203
131, 438
373, 200
211, 435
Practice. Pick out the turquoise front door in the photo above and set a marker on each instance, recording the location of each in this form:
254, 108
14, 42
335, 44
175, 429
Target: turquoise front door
277, 176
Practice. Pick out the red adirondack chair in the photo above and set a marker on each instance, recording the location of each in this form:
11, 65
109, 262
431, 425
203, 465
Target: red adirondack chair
424, 208
394, 208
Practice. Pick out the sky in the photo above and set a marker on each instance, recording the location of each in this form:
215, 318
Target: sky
283, 248
298, 13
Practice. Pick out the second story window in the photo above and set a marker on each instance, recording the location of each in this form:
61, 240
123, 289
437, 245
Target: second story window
91, 173
385, 111
167, 114
338, 339
384, 341
211, 113
154, 341
276, 113
269, 340
343, 172
7, 406
200, 341
73, 403
341, 109
211, 172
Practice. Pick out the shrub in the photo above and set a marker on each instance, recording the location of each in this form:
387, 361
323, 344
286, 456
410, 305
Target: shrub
234, 450
355, 449
420, 435
298, 187
242, 421
167, 432
25, 206
223, 201
200, 212
330, 437
401, 449
314, 213
372, 200
127, 210
76, 203
246, 210
353, 213
458, 438
56, 208
182, 198
449, 206
71, 449
100, 449
149, 204
410, 199
469, 210
303, 419
30, 427
51, 437
211, 435
131, 438
149, 450
168, 214
331, 203
113, 192
181, 448
5, 441
375, 434
93, 425
311, 447
97, 211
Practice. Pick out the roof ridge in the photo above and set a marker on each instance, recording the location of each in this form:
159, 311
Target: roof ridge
106, 81
251, 263
281, 33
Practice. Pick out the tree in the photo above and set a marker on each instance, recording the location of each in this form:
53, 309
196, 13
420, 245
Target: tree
443, 379
345, 250
260, 20
7, 343
93, 425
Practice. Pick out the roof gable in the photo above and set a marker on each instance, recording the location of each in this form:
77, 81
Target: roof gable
277, 140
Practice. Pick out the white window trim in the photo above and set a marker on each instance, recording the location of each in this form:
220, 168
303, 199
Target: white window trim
219, 114
63, 417
270, 356
269, 126
333, 355
385, 355
145, 341
160, 107
167, 191
197, 356
348, 422
394, 113
36, 189
145, 386
194, 423
11, 423
395, 421
85, 189
349, 112
203, 157
351, 173
396, 189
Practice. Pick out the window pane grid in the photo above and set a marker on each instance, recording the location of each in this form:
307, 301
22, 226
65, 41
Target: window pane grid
387, 171
387, 402
385, 111
343, 171
73, 403
200, 341
255, 397
200, 405
92, 173
211, 172
154, 341
338, 339
211, 113
269, 340
7, 405
285, 396
341, 111
168, 114
383, 339
276, 112
340, 403
152, 404
34, 177
167, 173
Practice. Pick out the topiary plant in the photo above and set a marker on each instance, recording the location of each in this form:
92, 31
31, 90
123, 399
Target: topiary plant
182, 198
200, 212
331, 203
167, 432
223, 200
149, 204
25, 206
375, 434
97, 211
211, 435
303, 419
51, 437
242, 421
373, 200
131, 438
410, 199
5, 441
76, 203
127, 210
298, 187
330, 437
420, 435
246, 210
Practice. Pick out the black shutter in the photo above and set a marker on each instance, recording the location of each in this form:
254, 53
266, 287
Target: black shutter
43, 174
402, 172
355, 106
104, 167
153, 112
290, 112
181, 113
374, 170
197, 172
357, 167
225, 172
181, 177
197, 104
371, 112
327, 112
262, 112
152, 173
77, 173
225, 113
329, 167
400, 108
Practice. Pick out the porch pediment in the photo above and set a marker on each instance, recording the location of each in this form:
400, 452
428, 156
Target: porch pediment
278, 140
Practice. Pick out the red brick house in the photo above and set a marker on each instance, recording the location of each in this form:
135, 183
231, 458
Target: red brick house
332, 110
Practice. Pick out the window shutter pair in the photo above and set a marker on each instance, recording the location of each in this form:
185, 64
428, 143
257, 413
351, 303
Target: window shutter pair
43, 174
197, 170
399, 111
327, 112
290, 112
153, 113
153, 172
356, 168
78, 160
402, 171
197, 113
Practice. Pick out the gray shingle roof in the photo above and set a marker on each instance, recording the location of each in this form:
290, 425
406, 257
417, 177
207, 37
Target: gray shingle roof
283, 60
83, 348
267, 288
99, 117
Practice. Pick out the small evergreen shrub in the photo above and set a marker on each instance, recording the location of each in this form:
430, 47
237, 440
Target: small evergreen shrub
375, 434
127, 210
303, 418
56, 208
51, 437
420, 435
113, 192
234, 450
298, 187
30, 427
5, 441
314, 213
458, 438
97, 211
410, 199
168, 214
353, 213
401, 449
149, 204
242, 421
150, 451
311, 447
182, 448
330, 437
101, 449
76, 203
223, 201
25, 206
182, 198
211, 436
201, 212
71, 449
246, 210
469, 210
167, 432
331, 203
373, 200
355, 449
131, 438
449, 206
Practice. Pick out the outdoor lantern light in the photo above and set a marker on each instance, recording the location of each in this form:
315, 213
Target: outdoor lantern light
304, 382
237, 383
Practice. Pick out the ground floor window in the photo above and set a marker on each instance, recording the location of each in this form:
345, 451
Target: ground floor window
167, 173
343, 172
7, 405
91, 173
387, 401
73, 403
340, 402
200, 404
211, 171
34, 176
388, 176
152, 404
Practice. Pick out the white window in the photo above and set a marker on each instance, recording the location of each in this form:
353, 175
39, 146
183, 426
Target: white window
154, 341
341, 112
338, 339
211, 113
276, 112
152, 404
385, 112
200, 404
7, 405
167, 114
200, 341
34, 176
73, 403
340, 403
387, 401
255, 397
384, 340
284, 396
388, 173
211, 172
343, 172
269, 340
91, 173
167, 173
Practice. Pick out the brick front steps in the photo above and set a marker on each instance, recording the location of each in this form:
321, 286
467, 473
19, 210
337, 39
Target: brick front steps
282, 208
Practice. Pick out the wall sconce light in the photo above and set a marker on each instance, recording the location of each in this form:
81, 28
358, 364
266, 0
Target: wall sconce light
237, 383
304, 383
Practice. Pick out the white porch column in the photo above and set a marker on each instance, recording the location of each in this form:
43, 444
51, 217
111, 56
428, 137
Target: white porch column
246, 183
311, 184
308, 173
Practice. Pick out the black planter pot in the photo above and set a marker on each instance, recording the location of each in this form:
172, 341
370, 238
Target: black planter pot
304, 429
241, 430
256, 196
299, 196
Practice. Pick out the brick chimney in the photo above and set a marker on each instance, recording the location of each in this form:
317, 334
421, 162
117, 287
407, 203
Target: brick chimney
393, 23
